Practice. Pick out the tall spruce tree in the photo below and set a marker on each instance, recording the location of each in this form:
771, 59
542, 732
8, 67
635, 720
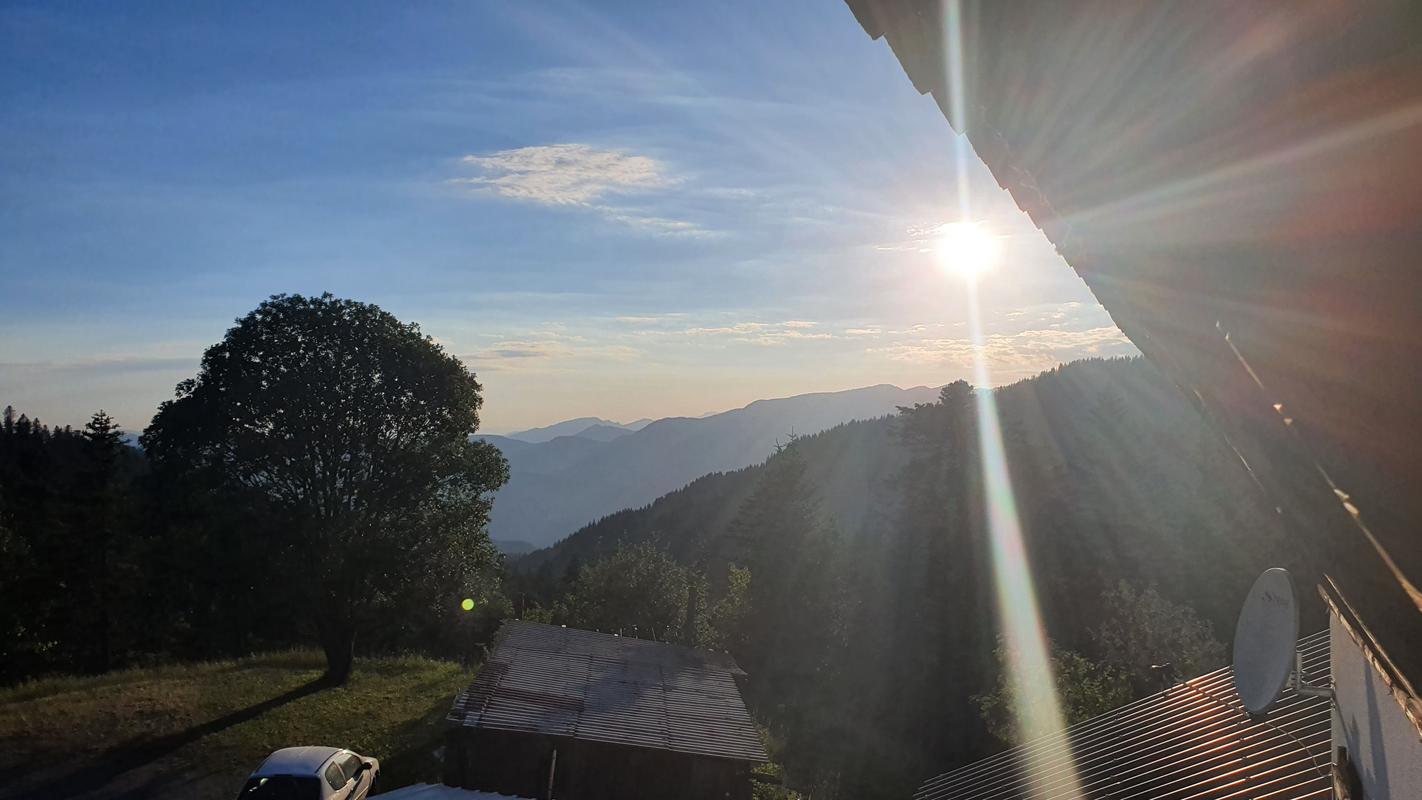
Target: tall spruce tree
942, 582
793, 638
98, 528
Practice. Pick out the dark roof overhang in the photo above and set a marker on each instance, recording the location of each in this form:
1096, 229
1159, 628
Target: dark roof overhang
1240, 185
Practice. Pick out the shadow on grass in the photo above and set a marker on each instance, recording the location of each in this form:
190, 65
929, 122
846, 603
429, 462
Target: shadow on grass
132, 756
415, 761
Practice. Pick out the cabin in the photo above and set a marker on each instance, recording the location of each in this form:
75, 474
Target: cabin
579, 715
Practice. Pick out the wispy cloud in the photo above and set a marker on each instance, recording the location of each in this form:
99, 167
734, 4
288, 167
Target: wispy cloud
564, 174
1013, 356
651, 223
764, 334
904, 247
581, 176
918, 239
502, 351
646, 320
544, 347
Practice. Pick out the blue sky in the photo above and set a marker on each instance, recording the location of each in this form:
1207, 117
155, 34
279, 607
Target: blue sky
615, 210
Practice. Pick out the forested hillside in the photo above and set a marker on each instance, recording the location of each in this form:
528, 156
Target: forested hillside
862, 597
558, 483
849, 573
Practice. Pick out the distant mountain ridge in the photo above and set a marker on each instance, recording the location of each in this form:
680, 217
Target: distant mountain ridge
1119, 485
605, 433
513, 548
1108, 450
576, 427
566, 475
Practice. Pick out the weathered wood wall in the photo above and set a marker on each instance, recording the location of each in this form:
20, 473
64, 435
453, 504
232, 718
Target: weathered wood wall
519, 763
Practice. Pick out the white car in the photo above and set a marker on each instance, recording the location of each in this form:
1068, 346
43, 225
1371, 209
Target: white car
312, 773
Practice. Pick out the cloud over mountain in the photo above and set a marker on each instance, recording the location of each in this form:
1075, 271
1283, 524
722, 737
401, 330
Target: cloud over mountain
1012, 356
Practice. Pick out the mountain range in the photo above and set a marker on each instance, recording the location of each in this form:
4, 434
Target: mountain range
567, 475
1134, 513
1115, 472
587, 427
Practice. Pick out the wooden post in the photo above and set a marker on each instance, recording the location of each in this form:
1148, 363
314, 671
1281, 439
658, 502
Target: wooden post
552, 768
453, 772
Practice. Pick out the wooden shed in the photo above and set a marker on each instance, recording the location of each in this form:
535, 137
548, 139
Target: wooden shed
588, 716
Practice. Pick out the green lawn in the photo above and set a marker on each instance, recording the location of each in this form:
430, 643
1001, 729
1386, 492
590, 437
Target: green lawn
196, 730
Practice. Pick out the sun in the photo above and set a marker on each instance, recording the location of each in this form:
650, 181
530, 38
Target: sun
966, 249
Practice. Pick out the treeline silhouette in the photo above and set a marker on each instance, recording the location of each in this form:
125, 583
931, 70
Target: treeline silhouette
315, 483
104, 564
66, 515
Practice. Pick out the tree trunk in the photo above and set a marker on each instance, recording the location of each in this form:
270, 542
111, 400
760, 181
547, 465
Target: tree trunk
688, 625
104, 622
338, 642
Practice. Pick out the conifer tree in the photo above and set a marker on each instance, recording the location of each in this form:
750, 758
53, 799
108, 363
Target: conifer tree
96, 534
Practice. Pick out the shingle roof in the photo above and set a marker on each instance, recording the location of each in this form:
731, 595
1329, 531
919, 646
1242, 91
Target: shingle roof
1193, 740
598, 687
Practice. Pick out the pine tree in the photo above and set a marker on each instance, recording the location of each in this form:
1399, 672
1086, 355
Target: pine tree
100, 492
571, 573
793, 639
941, 572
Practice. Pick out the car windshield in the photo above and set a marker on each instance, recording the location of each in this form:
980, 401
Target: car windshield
281, 787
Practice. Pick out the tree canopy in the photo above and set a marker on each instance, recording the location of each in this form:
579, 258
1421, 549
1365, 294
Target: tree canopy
1083, 689
353, 430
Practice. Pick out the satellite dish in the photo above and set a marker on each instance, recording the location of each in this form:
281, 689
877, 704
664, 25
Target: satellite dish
1266, 641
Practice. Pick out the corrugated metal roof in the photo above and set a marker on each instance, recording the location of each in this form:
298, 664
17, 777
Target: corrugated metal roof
1191, 741
598, 687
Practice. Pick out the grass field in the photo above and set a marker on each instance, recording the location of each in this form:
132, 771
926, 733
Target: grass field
196, 730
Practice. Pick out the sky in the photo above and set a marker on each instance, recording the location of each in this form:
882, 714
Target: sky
604, 209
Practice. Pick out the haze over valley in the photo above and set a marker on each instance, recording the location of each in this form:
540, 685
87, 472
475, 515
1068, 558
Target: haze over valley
557, 483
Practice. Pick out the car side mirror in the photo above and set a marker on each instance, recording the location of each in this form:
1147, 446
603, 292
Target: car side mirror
364, 765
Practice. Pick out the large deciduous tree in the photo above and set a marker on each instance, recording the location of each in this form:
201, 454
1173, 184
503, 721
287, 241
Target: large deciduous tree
352, 431
638, 590
1082, 688
1140, 628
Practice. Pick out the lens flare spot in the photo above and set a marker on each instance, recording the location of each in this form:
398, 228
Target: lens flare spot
468, 604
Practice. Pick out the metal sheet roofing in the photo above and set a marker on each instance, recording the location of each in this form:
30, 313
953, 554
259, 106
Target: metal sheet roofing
555, 681
1191, 741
